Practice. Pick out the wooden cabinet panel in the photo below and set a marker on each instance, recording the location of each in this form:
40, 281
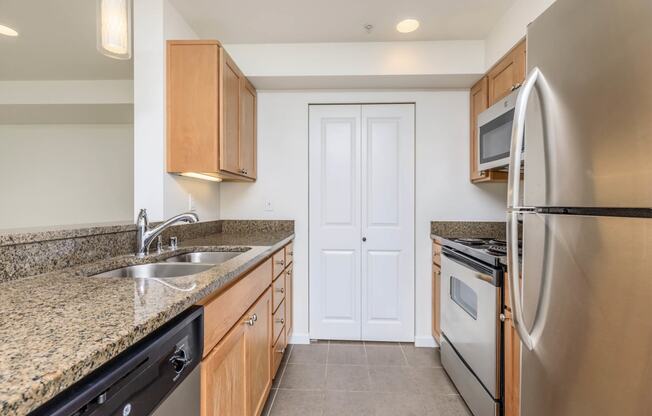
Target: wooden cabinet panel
512, 358
223, 388
289, 253
289, 273
436, 302
436, 254
192, 85
279, 262
507, 74
258, 338
278, 293
278, 349
247, 129
230, 143
211, 112
278, 322
224, 311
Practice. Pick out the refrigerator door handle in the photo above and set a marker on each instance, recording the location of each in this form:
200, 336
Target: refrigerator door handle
518, 129
514, 271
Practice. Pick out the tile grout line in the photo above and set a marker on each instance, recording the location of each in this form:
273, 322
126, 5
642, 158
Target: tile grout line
407, 363
280, 379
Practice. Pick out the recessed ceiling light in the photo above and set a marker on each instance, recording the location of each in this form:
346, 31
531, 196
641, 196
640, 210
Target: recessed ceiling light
7, 31
407, 25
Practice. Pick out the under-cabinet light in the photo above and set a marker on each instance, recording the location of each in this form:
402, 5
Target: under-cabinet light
7, 31
200, 176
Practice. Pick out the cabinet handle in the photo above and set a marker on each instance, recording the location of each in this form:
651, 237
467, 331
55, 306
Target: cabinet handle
281, 351
280, 262
280, 321
291, 253
280, 290
252, 320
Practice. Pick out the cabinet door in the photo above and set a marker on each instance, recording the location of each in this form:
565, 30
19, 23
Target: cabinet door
258, 340
512, 365
230, 112
223, 389
507, 74
288, 301
436, 302
247, 129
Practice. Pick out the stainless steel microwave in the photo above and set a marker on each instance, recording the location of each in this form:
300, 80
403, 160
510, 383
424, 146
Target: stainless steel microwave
494, 135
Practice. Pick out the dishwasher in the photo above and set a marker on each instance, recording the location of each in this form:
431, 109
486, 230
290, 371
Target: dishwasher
159, 376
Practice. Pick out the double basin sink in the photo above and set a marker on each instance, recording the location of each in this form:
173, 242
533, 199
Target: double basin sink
177, 266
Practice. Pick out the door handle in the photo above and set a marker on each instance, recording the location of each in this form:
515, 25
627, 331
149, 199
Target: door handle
514, 271
364, 239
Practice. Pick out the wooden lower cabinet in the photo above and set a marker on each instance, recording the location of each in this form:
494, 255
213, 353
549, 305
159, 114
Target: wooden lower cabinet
258, 338
512, 359
223, 388
288, 301
243, 346
436, 290
236, 375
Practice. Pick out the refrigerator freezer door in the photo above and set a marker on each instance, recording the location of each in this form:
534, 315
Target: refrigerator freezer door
596, 66
590, 316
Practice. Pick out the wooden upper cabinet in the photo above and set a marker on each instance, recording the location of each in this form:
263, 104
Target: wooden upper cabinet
508, 74
211, 112
248, 128
502, 78
230, 144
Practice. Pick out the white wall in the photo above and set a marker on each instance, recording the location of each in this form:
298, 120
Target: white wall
511, 27
60, 174
164, 195
443, 191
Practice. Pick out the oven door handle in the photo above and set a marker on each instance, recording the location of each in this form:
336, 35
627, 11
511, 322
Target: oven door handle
484, 273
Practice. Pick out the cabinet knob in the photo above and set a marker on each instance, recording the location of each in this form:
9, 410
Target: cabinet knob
280, 321
289, 272
252, 320
281, 351
280, 290
280, 262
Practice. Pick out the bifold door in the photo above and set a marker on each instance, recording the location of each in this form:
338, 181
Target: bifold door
362, 222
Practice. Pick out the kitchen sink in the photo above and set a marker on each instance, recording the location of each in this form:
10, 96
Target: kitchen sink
205, 257
156, 270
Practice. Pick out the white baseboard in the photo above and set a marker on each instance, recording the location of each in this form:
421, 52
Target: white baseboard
427, 341
299, 338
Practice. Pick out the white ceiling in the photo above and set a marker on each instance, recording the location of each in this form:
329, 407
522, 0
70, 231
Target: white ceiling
280, 21
56, 41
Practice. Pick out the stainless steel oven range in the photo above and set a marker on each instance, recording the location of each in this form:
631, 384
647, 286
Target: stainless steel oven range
471, 299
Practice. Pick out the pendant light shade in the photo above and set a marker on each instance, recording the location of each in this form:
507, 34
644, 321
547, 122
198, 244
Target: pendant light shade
114, 28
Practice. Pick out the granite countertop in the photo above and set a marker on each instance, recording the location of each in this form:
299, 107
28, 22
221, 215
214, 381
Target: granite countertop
58, 327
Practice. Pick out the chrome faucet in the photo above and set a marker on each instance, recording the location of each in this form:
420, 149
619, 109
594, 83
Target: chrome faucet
145, 235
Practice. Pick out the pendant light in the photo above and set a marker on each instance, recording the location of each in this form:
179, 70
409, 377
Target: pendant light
114, 28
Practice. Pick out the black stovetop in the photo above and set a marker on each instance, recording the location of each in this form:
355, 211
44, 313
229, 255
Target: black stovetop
488, 250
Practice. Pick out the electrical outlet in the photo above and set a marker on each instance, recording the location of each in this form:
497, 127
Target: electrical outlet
268, 205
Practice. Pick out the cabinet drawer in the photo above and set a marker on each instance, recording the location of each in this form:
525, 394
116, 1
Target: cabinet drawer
279, 262
436, 254
278, 293
288, 300
289, 253
277, 352
223, 311
278, 321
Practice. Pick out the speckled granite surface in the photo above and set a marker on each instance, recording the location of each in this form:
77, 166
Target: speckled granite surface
461, 229
25, 253
58, 327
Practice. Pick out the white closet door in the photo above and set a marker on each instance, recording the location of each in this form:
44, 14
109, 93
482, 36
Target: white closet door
388, 222
335, 224
362, 188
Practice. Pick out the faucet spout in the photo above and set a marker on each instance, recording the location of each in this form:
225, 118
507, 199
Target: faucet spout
145, 235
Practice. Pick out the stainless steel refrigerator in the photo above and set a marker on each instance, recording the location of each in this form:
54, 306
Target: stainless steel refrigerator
584, 312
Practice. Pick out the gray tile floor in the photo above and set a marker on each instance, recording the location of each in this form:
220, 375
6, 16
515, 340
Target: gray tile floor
363, 379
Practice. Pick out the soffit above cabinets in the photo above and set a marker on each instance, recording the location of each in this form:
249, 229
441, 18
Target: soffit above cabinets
280, 21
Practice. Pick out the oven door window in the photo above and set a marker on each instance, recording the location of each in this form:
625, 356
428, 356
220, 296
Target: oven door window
464, 296
496, 138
